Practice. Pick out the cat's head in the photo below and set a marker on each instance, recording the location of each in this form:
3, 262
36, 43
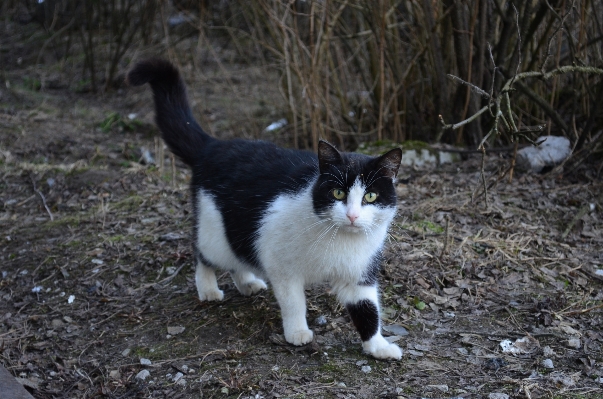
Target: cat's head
355, 191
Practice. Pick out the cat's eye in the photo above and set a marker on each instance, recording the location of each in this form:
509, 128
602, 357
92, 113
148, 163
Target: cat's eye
370, 197
338, 194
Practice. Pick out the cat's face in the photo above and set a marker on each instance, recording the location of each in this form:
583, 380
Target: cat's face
355, 192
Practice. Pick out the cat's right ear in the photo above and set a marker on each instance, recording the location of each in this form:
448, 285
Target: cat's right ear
327, 155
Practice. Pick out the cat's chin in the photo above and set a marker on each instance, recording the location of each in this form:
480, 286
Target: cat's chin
348, 228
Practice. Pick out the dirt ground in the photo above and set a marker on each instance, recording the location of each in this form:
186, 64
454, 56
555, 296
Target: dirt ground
97, 274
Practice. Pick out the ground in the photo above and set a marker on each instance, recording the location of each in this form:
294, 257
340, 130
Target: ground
97, 274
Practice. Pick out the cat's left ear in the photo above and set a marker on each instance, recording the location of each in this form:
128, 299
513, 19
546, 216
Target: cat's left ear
389, 163
327, 155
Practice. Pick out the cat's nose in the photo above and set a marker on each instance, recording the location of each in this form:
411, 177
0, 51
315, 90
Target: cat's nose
352, 217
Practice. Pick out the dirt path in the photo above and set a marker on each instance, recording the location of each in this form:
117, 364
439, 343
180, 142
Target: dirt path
96, 274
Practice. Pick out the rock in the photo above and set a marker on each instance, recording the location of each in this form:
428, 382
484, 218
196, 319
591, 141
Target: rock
441, 388
145, 362
494, 363
341, 385
320, 320
175, 330
550, 151
574, 343
396, 329
547, 351
143, 374
146, 157
366, 369
126, 352
115, 374
498, 395
548, 363
170, 237
361, 363
178, 376
57, 323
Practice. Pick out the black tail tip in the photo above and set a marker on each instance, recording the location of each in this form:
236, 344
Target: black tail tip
152, 70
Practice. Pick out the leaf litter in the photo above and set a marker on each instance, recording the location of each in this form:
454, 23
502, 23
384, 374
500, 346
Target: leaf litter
458, 280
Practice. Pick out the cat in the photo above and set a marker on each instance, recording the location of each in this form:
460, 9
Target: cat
288, 216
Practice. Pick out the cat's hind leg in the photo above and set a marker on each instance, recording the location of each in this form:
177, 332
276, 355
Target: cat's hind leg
207, 285
247, 283
362, 303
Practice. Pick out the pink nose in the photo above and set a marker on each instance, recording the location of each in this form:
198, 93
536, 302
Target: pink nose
352, 217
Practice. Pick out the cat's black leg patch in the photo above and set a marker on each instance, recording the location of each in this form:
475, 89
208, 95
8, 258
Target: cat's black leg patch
371, 274
365, 317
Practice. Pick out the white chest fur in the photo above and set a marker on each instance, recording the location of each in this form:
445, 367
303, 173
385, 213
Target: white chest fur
293, 242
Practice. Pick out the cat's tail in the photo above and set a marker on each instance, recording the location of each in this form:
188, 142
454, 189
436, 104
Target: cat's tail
179, 129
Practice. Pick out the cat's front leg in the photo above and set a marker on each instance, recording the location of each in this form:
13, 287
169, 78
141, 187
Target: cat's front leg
207, 285
362, 302
292, 301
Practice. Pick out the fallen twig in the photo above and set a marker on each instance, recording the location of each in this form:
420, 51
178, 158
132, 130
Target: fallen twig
41, 196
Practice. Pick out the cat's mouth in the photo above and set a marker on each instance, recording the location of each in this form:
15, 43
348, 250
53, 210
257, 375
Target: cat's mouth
352, 228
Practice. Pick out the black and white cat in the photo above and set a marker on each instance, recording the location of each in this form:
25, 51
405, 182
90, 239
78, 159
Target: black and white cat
288, 216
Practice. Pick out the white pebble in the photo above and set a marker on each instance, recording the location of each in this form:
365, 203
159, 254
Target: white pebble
548, 363
71, 299
143, 374
145, 362
574, 343
498, 395
366, 369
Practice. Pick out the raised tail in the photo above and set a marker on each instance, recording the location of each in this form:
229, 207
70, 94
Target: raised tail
179, 129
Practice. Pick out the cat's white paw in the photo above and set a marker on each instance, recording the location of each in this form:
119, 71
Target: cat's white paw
252, 287
299, 338
211, 295
391, 351
247, 283
379, 348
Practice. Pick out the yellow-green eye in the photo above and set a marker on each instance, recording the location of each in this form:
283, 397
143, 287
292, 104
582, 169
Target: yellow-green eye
370, 197
339, 194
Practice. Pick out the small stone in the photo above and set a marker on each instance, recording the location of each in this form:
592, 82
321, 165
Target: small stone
57, 323
178, 376
67, 319
145, 362
143, 374
341, 385
396, 329
463, 351
175, 330
547, 351
115, 374
184, 368
320, 320
170, 237
366, 369
548, 363
574, 343
498, 395
441, 388
126, 352
181, 381
361, 362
